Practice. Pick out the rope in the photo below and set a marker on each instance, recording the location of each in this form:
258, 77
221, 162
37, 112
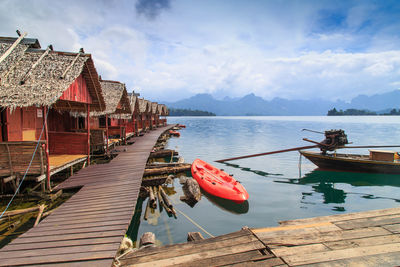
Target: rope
26, 172
201, 228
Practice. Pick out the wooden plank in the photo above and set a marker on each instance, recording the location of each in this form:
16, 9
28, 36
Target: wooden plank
381, 260
343, 217
62, 258
368, 222
62, 231
312, 238
41, 239
58, 251
206, 243
203, 254
341, 254
277, 262
363, 242
285, 251
394, 228
48, 227
241, 257
62, 244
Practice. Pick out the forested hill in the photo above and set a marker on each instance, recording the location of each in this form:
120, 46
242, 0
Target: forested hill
189, 112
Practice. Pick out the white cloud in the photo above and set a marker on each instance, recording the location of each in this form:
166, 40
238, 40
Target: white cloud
199, 47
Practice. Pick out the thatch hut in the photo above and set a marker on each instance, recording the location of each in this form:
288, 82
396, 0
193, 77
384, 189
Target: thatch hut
154, 115
113, 120
38, 90
162, 111
133, 125
144, 109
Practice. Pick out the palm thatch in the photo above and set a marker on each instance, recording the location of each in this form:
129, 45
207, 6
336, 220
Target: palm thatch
116, 98
23, 86
154, 108
143, 105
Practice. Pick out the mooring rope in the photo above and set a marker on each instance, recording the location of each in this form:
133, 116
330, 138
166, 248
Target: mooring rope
26, 172
201, 228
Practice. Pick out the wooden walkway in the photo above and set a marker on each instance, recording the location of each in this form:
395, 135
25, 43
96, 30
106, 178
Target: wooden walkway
88, 228
356, 239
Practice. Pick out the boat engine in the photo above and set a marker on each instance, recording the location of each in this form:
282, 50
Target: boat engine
333, 140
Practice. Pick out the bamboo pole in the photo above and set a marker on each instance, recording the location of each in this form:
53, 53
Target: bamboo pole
41, 209
267, 153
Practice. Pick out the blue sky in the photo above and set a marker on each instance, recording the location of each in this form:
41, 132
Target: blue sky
172, 49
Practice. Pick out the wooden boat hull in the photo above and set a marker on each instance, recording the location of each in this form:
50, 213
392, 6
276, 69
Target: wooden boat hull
351, 162
217, 182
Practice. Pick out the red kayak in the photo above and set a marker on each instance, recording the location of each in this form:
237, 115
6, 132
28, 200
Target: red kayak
181, 125
217, 182
174, 133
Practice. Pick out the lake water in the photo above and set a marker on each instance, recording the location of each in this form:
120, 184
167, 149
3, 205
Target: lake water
281, 186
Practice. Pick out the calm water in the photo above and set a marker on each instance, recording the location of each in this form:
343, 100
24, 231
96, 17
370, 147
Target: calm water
279, 187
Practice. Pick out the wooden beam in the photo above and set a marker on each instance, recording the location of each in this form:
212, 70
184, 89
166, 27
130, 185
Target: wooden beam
91, 77
28, 74
70, 66
12, 47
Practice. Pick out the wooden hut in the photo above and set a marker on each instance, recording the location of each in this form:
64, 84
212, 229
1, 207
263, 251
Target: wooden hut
135, 116
113, 120
162, 111
38, 90
145, 117
154, 115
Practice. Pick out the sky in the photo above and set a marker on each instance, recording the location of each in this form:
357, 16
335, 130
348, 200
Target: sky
168, 50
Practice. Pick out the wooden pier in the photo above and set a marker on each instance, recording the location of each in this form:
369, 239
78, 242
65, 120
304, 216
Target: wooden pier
369, 238
89, 227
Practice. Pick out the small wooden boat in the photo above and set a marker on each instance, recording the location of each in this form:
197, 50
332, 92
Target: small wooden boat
181, 125
378, 161
174, 133
217, 182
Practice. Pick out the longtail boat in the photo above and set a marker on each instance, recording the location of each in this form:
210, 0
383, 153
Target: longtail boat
377, 162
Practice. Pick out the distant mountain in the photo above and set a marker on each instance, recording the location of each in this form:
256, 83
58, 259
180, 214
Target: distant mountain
252, 105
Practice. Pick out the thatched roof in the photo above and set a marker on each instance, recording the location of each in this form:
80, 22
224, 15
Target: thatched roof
116, 98
23, 86
16, 54
143, 105
154, 108
163, 110
134, 103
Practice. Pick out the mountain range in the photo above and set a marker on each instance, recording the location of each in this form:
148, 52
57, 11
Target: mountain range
252, 105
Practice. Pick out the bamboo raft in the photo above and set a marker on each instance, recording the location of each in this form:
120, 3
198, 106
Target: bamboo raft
89, 227
356, 239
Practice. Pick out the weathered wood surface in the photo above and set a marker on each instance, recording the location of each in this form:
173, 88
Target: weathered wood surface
89, 227
356, 239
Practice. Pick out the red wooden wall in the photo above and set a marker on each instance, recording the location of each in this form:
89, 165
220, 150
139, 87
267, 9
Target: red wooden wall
77, 92
24, 119
67, 143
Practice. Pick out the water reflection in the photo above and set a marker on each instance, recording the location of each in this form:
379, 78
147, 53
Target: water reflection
247, 169
324, 182
227, 205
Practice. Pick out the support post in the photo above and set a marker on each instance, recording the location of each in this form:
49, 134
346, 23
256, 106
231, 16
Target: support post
88, 134
107, 134
46, 130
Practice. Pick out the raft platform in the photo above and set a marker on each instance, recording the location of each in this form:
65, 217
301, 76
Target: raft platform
88, 228
369, 238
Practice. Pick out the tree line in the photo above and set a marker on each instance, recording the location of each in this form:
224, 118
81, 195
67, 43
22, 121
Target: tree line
359, 112
189, 112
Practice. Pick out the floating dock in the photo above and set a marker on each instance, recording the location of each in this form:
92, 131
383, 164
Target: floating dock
369, 238
89, 227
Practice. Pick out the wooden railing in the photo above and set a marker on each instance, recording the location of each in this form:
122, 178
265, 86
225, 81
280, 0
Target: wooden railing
16, 156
